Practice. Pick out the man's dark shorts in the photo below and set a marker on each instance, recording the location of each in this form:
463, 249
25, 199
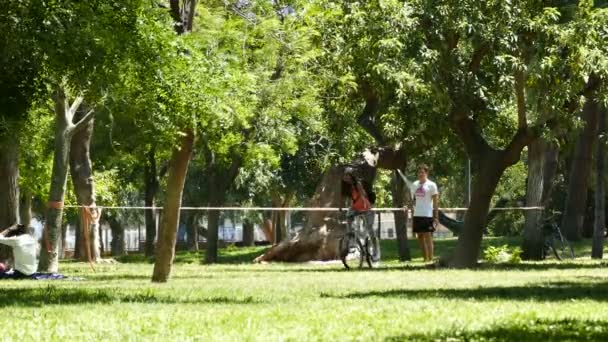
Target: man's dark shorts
423, 225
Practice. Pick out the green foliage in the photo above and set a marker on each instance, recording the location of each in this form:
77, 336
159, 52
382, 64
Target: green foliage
502, 254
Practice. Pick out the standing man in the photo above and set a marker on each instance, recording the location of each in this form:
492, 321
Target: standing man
426, 210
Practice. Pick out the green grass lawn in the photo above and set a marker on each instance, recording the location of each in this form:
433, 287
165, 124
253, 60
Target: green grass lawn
277, 302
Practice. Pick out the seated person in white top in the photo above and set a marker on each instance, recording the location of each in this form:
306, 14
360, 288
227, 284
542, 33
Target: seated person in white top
24, 252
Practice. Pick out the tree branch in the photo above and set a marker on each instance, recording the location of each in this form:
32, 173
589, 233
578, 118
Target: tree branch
61, 105
520, 94
470, 134
74, 107
366, 119
84, 121
522, 138
452, 39
478, 55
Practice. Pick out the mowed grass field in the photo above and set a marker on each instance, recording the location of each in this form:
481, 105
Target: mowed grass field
240, 301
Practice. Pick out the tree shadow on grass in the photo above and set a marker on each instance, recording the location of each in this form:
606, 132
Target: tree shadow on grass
541, 266
537, 330
553, 291
51, 295
143, 277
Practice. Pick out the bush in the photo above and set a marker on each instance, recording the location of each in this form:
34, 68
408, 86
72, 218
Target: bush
502, 254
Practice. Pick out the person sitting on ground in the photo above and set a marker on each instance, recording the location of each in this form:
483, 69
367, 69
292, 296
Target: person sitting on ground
361, 205
24, 252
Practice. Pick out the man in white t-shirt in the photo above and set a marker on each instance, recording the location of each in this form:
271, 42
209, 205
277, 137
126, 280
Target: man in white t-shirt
24, 252
426, 211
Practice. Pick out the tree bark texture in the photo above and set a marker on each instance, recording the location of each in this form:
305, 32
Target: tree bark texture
279, 217
118, 244
318, 240
178, 170
248, 233
580, 172
597, 251
219, 182
65, 129
25, 209
533, 239
81, 171
466, 254
9, 187
399, 192
192, 225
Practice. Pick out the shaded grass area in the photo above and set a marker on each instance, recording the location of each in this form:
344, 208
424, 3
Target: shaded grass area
245, 255
238, 300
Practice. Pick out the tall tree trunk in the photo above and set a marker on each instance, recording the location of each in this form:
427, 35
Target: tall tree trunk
151, 182
533, 239
178, 170
279, 217
217, 196
466, 254
550, 168
399, 192
81, 171
118, 244
318, 240
25, 209
597, 251
248, 233
64, 131
213, 222
192, 230
219, 182
9, 187
64, 237
580, 172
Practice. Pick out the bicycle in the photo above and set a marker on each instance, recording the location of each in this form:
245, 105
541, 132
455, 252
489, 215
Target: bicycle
554, 241
355, 246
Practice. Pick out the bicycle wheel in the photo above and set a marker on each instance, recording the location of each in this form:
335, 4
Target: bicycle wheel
351, 251
562, 249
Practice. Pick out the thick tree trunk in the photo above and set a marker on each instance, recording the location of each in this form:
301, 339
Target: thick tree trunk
597, 251
151, 182
467, 250
533, 239
550, 171
9, 187
248, 233
64, 131
279, 217
399, 192
81, 171
118, 244
178, 170
319, 238
576, 201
